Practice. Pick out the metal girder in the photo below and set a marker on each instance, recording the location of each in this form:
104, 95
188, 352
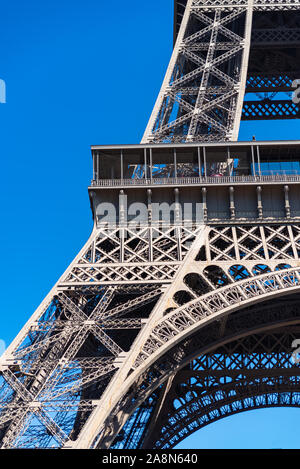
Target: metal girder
74, 343
259, 5
255, 347
219, 47
270, 109
176, 326
77, 348
137, 304
260, 82
196, 411
204, 117
241, 375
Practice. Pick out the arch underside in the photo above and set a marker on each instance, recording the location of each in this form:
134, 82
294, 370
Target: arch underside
212, 291
223, 369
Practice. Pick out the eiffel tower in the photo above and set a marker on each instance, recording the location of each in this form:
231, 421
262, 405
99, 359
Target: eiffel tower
183, 306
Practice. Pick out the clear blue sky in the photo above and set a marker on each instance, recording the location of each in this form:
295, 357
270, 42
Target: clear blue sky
81, 73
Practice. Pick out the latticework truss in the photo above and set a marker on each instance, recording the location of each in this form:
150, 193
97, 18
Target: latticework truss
115, 315
158, 329
203, 89
202, 95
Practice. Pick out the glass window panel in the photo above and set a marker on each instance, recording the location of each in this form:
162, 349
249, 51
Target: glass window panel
240, 161
187, 164
163, 163
109, 164
217, 163
133, 163
279, 159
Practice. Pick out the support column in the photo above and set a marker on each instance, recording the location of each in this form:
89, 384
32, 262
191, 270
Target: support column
232, 206
229, 163
94, 166
145, 164
253, 160
204, 161
122, 222
98, 165
204, 191
122, 166
258, 161
177, 222
287, 202
259, 202
199, 162
151, 164
149, 202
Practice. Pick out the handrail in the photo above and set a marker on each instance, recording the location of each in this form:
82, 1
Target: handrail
195, 180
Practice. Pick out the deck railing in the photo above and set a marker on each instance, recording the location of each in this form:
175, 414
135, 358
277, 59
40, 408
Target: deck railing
188, 181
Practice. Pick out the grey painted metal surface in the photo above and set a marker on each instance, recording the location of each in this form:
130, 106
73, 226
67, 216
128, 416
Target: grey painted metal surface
155, 307
221, 51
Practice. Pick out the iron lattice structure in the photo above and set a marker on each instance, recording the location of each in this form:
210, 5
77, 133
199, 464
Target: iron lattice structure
158, 328
223, 50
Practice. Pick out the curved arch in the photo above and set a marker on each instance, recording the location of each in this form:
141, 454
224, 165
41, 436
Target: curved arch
215, 386
222, 389
192, 316
279, 359
249, 324
229, 407
206, 309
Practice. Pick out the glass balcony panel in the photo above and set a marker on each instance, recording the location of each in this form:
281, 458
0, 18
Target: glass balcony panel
134, 164
240, 161
187, 163
109, 164
279, 160
163, 165
217, 162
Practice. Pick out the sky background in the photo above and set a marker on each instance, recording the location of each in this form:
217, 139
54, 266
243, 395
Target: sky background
80, 73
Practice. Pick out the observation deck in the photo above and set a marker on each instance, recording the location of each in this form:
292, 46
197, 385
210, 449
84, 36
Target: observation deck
196, 164
257, 180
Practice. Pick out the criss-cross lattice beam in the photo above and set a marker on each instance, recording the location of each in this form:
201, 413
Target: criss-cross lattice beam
255, 340
241, 375
212, 110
